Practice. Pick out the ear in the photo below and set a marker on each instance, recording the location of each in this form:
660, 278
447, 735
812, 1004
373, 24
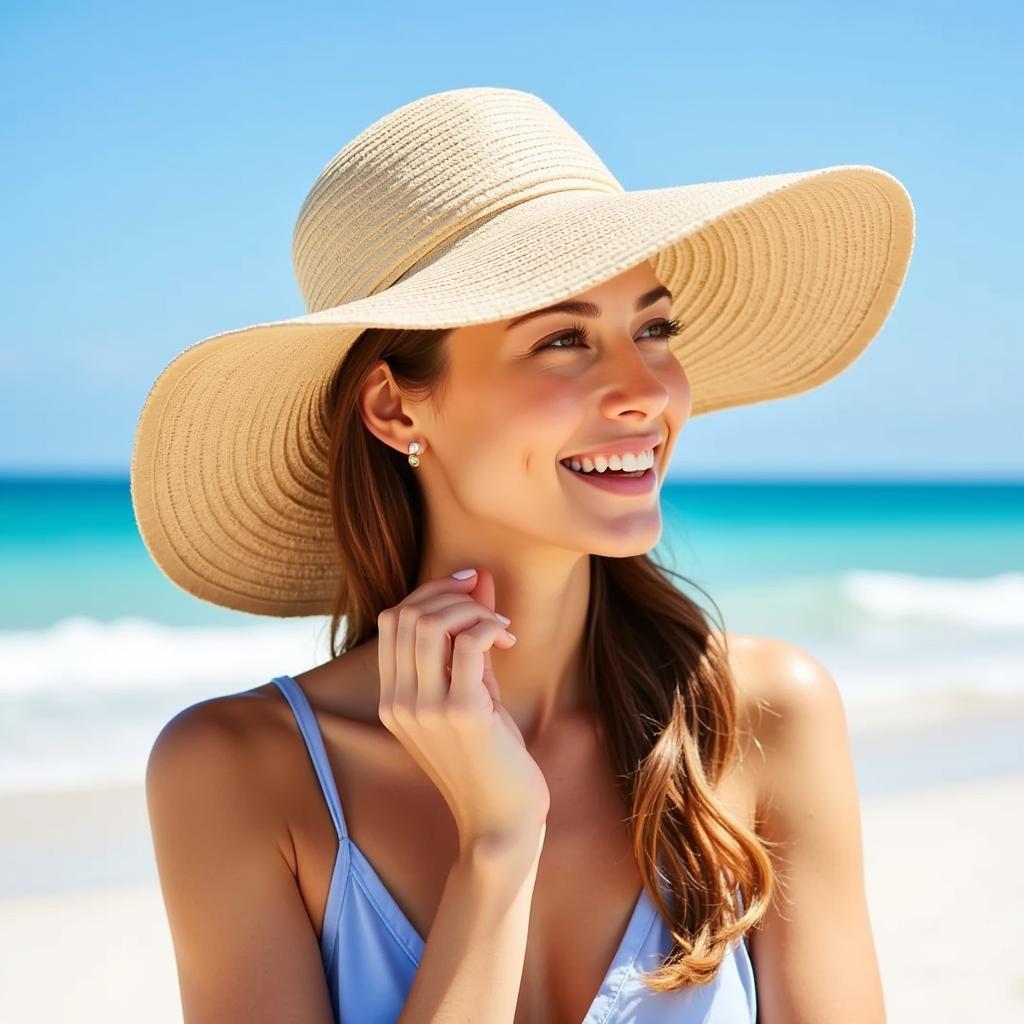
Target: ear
382, 412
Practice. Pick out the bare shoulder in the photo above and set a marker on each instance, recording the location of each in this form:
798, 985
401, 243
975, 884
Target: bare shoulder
222, 728
244, 944
777, 678
817, 926
783, 692
237, 743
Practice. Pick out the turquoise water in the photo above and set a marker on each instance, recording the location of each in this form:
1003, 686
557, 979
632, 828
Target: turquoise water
70, 547
906, 591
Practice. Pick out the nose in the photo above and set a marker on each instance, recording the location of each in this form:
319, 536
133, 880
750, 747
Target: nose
630, 375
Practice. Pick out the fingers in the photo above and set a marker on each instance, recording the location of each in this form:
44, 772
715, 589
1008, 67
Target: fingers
436, 641
416, 646
414, 622
467, 691
387, 628
484, 589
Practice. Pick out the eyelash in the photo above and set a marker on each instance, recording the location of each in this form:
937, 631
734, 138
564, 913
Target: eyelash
578, 333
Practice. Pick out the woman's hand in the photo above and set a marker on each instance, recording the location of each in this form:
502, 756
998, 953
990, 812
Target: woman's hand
439, 697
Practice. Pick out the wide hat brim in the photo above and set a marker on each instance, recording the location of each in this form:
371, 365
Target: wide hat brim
781, 280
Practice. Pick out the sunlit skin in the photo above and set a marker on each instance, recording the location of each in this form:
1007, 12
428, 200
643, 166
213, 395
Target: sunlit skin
498, 500
497, 497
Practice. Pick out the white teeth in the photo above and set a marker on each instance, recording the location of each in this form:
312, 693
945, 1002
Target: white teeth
630, 462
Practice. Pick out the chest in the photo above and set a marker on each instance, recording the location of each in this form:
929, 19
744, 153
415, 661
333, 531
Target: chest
587, 884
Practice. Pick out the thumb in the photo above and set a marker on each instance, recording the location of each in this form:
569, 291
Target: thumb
484, 589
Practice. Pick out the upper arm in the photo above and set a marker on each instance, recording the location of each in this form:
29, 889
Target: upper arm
245, 948
814, 952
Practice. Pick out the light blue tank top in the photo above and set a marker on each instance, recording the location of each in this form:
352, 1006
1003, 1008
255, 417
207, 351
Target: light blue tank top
370, 949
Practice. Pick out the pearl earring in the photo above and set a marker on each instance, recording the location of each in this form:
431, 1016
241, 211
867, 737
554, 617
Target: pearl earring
414, 447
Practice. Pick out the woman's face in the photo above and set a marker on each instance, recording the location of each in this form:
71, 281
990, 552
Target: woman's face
515, 406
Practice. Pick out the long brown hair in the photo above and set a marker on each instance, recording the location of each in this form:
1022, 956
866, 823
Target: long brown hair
658, 673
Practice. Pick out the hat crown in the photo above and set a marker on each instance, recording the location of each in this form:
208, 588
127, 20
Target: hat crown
425, 175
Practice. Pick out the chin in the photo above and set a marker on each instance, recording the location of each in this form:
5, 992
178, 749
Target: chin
626, 543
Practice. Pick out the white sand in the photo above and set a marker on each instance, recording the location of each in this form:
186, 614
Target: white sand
945, 888
91, 956
942, 865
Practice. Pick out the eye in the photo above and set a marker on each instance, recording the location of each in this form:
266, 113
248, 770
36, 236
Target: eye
578, 334
668, 328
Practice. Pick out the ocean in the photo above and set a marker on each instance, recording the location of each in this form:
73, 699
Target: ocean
911, 594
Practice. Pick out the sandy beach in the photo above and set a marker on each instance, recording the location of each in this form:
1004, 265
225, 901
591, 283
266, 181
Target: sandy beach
83, 935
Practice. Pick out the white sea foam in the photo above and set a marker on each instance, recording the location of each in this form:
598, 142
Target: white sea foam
82, 701
995, 603
80, 655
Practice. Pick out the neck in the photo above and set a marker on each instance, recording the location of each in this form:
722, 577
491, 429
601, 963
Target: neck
540, 678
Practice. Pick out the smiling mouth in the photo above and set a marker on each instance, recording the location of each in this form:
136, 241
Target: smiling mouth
567, 462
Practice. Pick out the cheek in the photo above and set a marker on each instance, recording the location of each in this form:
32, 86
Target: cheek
536, 419
557, 403
680, 399
511, 441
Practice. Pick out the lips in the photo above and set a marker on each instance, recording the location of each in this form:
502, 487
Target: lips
621, 446
579, 458
618, 483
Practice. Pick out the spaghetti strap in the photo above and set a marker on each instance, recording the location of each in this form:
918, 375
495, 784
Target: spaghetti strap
314, 741
371, 951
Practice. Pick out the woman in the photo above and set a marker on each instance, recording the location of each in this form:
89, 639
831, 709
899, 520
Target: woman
446, 819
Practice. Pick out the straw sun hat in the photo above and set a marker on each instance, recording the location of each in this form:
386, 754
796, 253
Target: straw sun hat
469, 206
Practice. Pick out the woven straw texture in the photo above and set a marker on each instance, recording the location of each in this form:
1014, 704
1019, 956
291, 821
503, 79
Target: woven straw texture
471, 206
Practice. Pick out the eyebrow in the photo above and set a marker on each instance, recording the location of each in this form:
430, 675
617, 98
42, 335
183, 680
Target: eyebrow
589, 308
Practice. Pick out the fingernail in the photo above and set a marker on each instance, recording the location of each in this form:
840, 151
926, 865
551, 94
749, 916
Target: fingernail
511, 634
464, 574
504, 619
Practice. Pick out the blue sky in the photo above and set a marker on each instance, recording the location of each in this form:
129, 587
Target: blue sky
155, 161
